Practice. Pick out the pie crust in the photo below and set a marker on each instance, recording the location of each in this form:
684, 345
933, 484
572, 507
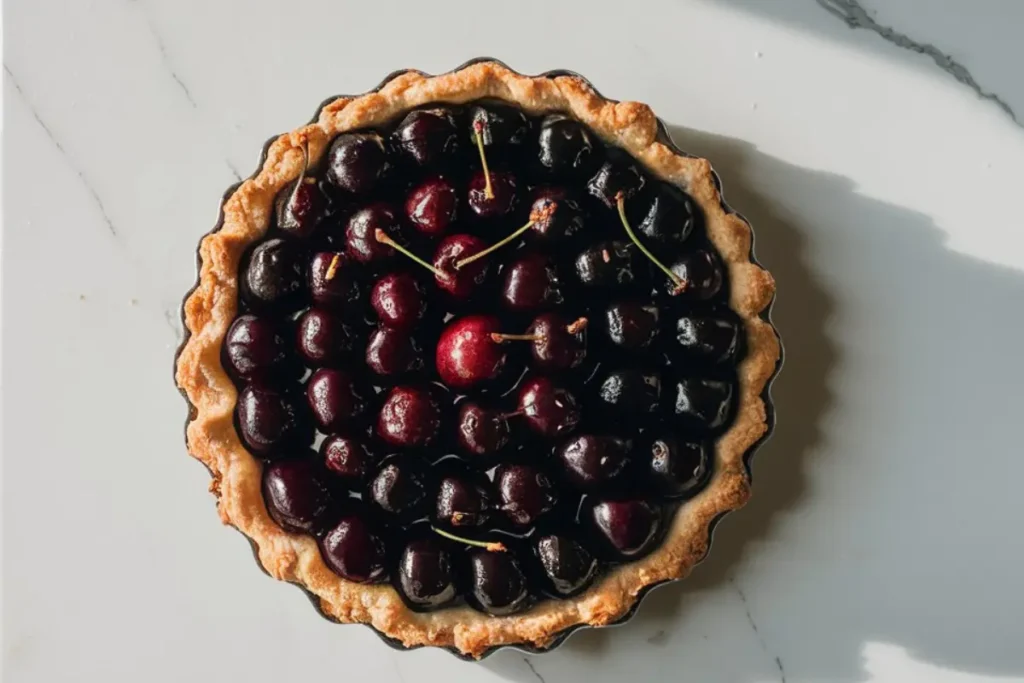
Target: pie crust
211, 307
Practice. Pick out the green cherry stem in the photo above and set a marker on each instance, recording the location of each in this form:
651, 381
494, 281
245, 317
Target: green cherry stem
383, 238
487, 545
302, 174
680, 283
478, 129
535, 217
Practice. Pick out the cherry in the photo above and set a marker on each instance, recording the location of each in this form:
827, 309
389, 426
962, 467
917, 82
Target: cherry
630, 393
334, 281
254, 348
498, 126
356, 162
557, 343
323, 338
593, 462
400, 301
525, 493
462, 501
467, 354
498, 584
354, 550
272, 275
297, 496
432, 206
335, 399
361, 232
493, 194
397, 487
270, 421
481, 431
703, 405
675, 467
531, 283
300, 205
460, 281
565, 147
410, 417
429, 137
631, 325
559, 215
608, 266
568, 566
668, 219
426, 576
348, 459
700, 272
548, 409
392, 353
712, 340
619, 176
627, 529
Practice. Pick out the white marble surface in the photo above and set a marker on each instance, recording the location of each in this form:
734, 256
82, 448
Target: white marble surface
884, 539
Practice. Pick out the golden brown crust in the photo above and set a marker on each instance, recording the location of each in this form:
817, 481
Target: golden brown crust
209, 310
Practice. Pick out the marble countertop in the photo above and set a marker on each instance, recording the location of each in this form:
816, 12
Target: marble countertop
878, 150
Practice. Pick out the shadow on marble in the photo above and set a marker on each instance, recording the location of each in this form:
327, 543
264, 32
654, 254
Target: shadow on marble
912, 582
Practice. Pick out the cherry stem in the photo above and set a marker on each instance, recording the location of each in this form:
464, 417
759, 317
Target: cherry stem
515, 413
535, 217
577, 327
478, 128
499, 338
680, 283
302, 174
383, 238
487, 545
332, 269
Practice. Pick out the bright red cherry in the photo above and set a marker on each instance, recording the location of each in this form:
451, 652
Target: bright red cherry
468, 354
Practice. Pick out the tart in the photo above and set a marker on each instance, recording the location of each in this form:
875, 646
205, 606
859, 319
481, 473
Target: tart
476, 359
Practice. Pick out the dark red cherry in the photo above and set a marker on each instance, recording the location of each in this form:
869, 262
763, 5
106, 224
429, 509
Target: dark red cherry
594, 462
531, 283
676, 468
712, 340
467, 355
504, 189
297, 495
630, 393
702, 405
323, 338
255, 348
524, 493
392, 353
548, 409
498, 584
429, 137
299, 207
357, 162
481, 431
667, 219
631, 325
432, 206
335, 399
347, 458
400, 301
334, 281
618, 176
410, 417
361, 241
565, 147
460, 283
354, 550
499, 126
702, 272
560, 343
462, 501
627, 529
398, 487
558, 215
568, 566
273, 275
426, 576
270, 421
608, 266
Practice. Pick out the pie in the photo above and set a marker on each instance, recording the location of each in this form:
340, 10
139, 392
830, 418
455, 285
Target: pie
476, 359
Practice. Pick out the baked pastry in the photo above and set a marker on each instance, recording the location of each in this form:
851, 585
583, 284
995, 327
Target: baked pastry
478, 358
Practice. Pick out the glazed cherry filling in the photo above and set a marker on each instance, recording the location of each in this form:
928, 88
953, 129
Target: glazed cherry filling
484, 356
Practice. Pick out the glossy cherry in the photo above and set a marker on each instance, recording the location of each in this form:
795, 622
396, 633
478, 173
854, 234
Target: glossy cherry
667, 219
627, 529
409, 417
568, 566
428, 137
702, 405
297, 495
549, 410
701, 271
347, 458
426, 573
560, 217
631, 325
565, 147
270, 421
525, 493
481, 431
354, 550
323, 338
531, 283
676, 468
397, 487
593, 462
273, 276
432, 206
708, 339
393, 353
502, 199
299, 207
460, 282
467, 353
361, 243
608, 266
462, 500
499, 126
498, 583
335, 399
558, 343
399, 300
630, 392
618, 176
255, 348
357, 162
335, 281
